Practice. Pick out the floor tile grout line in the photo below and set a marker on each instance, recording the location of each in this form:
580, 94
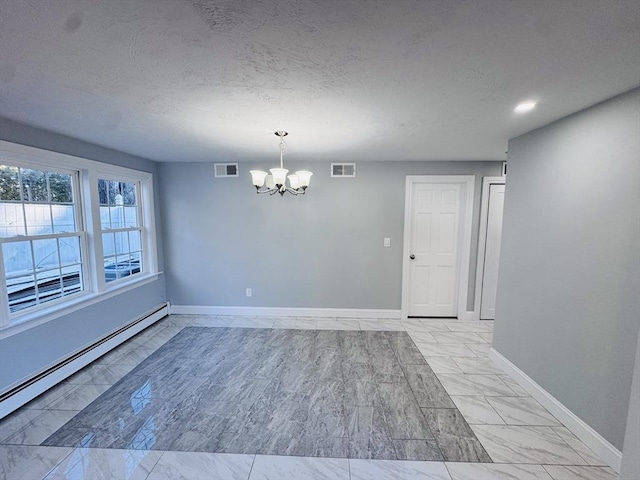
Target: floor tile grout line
155, 464
253, 462
570, 446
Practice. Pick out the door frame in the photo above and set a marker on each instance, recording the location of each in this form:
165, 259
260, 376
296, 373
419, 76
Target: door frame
464, 239
482, 238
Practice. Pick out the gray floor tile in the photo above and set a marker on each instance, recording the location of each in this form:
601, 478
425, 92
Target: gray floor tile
456, 440
426, 387
341, 394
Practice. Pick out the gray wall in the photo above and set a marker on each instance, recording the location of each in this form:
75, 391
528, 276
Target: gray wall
631, 451
569, 282
27, 352
323, 249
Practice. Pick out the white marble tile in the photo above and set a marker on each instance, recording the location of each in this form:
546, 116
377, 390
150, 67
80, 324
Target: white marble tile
41, 428
17, 421
212, 322
424, 326
80, 397
112, 355
426, 337
396, 470
202, 466
476, 410
584, 451
105, 464
177, 320
253, 322
487, 385
580, 473
487, 337
45, 399
444, 350
518, 444
296, 323
133, 358
381, 325
480, 366
480, 349
338, 324
479, 326
457, 337
443, 365
489, 471
522, 411
29, 463
152, 342
515, 386
106, 374
272, 467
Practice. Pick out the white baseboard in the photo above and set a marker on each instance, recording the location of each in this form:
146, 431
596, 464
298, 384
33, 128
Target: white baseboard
596, 442
285, 311
27, 394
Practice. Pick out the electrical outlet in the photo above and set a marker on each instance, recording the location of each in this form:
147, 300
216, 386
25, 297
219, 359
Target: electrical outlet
249, 292
387, 242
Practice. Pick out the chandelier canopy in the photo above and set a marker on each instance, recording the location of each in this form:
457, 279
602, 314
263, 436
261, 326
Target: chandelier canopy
276, 181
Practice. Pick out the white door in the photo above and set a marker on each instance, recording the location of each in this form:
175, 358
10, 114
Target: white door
434, 249
492, 252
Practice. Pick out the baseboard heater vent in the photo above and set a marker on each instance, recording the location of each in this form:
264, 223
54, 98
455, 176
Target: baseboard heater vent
74, 362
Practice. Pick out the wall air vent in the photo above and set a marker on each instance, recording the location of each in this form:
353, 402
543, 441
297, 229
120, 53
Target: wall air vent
225, 169
343, 169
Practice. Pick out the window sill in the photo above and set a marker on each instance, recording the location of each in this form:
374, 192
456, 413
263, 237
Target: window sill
30, 320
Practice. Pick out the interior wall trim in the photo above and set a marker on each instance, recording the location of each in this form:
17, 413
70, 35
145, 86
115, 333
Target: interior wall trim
27, 389
592, 439
285, 311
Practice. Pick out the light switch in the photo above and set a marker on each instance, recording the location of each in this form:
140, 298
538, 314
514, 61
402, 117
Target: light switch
387, 242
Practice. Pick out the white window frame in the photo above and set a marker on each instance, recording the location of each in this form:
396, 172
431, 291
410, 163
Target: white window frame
80, 233
88, 211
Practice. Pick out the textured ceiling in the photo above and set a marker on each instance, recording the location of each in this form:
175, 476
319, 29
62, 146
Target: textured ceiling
210, 80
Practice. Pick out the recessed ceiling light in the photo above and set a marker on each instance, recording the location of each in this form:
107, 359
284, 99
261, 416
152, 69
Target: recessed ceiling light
525, 107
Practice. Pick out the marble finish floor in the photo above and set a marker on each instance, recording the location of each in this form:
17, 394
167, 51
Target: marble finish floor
345, 399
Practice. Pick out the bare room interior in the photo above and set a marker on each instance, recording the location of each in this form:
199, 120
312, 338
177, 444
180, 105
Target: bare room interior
305, 240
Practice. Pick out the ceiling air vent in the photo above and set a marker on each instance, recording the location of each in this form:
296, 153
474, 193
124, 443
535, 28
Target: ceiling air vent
343, 169
226, 169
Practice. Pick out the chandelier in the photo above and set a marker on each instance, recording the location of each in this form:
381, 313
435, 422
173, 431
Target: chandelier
276, 181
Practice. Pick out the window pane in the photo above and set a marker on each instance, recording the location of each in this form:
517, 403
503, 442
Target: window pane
46, 253
17, 258
122, 243
103, 192
117, 216
104, 218
136, 262
72, 279
49, 286
114, 191
69, 250
108, 244
131, 217
34, 185
9, 183
110, 270
38, 219
129, 194
64, 218
135, 243
21, 291
60, 187
11, 220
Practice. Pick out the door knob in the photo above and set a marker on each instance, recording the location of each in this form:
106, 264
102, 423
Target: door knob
412, 257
